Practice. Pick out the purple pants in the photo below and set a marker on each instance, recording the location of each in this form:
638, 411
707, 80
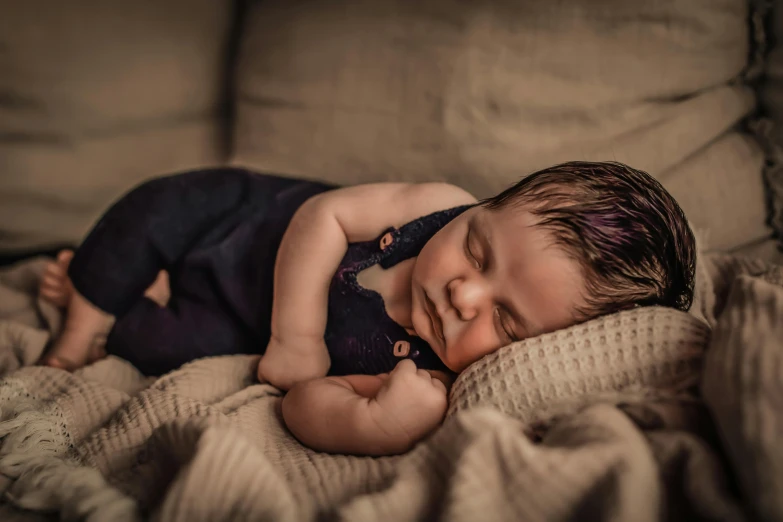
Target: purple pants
216, 232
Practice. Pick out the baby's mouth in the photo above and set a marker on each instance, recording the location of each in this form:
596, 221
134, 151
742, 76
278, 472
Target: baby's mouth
437, 324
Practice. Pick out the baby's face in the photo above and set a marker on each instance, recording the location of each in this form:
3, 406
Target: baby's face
489, 278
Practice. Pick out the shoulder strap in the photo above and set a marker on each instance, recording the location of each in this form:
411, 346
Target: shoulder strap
408, 240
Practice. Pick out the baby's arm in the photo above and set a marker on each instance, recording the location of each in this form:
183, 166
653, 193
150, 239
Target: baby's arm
366, 414
311, 250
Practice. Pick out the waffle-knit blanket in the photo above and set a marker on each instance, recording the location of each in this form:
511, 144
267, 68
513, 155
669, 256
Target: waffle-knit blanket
649, 414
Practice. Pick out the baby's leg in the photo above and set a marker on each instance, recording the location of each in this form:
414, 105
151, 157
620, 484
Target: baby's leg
86, 326
83, 337
159, 339
149, 229
56, 287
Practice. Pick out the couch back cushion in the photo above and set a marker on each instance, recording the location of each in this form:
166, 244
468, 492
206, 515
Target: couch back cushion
482, 93
95, 97
772, 105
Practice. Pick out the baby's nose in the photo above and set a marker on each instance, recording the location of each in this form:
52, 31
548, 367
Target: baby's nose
467, 297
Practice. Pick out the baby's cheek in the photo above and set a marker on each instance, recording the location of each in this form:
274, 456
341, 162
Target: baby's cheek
438, 263
472, 345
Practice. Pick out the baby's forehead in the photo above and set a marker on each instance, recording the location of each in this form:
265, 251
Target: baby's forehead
511, 221
521, 238
533, 272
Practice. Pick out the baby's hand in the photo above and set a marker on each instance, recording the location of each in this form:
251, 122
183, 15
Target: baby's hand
289, 361
411, 403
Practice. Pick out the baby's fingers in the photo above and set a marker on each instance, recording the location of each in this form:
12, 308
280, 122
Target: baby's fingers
439, 385
405, 366
424, 374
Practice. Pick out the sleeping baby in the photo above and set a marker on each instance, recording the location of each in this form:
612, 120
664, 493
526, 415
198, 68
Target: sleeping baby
364, 301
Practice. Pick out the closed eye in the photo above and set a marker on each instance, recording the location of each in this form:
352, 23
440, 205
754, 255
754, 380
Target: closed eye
469, 252
508, 333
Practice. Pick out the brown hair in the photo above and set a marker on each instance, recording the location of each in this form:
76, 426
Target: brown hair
629, 235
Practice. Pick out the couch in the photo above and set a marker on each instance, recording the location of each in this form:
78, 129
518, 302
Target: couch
96, 97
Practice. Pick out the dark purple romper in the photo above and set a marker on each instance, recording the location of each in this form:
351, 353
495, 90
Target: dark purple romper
217, 232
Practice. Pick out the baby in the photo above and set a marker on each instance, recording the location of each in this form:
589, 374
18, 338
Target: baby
365, 301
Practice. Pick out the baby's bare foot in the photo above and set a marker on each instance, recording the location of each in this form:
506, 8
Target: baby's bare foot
55, 285
83, 338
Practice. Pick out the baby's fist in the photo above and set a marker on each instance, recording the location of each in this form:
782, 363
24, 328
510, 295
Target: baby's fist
411, 402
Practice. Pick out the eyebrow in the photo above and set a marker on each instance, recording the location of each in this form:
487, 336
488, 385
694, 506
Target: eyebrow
485, 239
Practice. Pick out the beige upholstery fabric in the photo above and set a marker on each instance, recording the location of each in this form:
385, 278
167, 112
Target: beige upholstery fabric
481, 93
771, 98
722, 191
767, 249
95, 96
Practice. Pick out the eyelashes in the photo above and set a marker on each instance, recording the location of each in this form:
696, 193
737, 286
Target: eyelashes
509, 337
469, 253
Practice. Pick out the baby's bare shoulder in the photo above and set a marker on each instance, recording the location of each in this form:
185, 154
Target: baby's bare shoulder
442, 195
437, 195
366, 210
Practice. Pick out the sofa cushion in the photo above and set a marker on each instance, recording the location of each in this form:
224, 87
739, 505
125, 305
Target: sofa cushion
722, 191
95, 97
481, 93
771, 97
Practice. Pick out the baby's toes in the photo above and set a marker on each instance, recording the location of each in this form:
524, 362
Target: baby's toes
52, 281
64, 258
61, 264
48, 282
54, 284
49, 285
56, 296
53, 274
58, 269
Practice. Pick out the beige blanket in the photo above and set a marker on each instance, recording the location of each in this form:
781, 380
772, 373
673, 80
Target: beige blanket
649, 414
